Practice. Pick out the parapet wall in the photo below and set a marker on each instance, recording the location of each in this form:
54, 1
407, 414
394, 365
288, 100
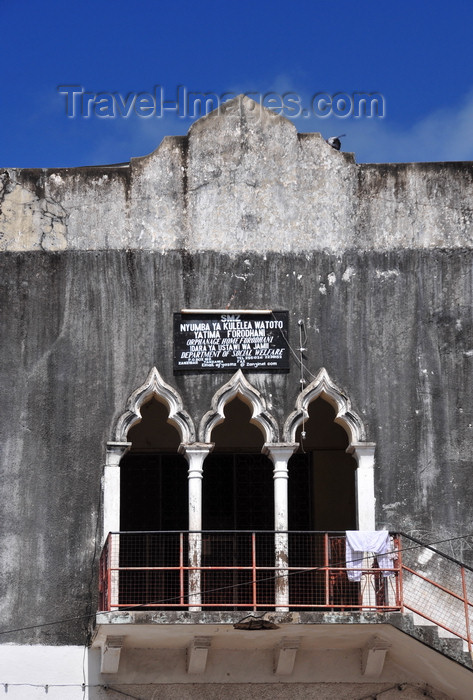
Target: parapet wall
241, 180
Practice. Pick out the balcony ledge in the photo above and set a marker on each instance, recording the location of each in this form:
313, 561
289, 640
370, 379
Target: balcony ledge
158, 628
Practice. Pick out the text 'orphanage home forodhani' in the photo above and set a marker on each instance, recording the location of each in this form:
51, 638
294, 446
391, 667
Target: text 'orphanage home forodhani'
237, 422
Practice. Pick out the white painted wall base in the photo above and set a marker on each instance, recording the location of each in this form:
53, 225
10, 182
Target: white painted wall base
57, 673
52, 673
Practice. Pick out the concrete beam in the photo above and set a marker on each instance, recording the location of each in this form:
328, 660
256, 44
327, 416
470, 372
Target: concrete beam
285, 656
197, 653
111, 650
373, 657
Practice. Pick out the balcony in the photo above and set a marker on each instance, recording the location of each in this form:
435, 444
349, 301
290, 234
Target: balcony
242, 570
280, 572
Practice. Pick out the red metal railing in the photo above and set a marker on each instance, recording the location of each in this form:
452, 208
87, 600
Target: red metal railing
436, 588
239, 570
246, 570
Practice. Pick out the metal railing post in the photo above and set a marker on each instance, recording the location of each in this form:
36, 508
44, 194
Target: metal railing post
253, 565
401, 574
327, 571
181, 568
467, 612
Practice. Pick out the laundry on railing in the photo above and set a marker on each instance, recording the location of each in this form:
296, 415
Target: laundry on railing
373, 542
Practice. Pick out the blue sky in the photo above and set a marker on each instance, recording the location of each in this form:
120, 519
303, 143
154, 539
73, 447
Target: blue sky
417, 55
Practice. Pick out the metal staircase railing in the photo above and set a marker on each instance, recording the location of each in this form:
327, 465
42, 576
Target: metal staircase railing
436, 588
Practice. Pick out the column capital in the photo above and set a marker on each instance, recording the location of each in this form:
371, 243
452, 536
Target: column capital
195, 454
361, 449
193, 449
279, 451
115, 451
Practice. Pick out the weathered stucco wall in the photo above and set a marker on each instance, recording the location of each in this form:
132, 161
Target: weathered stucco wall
376, 259
241, 180
83, 330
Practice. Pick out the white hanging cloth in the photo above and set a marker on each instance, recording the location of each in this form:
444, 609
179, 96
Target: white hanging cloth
374, 542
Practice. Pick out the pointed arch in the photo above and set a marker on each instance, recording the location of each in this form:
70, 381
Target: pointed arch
155, 386
363, 452
239, 386
325, 388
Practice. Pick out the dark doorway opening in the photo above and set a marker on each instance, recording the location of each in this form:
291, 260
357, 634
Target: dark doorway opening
322, 498
238, 479
237, 500
153, 509
153, 476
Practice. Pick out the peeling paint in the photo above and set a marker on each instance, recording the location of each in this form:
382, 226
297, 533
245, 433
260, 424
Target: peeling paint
386, 274
331, 278
348, 274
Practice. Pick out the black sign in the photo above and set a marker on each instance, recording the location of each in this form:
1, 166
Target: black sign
206, 341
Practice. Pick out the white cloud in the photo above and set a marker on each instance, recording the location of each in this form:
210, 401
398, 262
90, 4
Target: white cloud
444, 135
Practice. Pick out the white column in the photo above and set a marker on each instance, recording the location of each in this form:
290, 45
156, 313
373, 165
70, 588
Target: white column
279, 454
111, 510
365, 508
111, 487
364, 475
195, 454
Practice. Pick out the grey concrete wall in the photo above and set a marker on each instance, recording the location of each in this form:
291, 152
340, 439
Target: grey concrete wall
376, 259
81, 330
241, 180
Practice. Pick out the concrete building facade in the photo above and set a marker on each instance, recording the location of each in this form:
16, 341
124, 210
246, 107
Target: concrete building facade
367, 427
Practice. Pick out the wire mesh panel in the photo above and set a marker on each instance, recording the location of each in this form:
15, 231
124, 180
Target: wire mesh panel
307, 561
437, 588
238, 569
319, 579
232, 570
151, 569
342, 593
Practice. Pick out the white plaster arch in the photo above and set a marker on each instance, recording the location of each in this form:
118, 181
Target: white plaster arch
239, 386
155, 386
119, 446
324, 387
362, 451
